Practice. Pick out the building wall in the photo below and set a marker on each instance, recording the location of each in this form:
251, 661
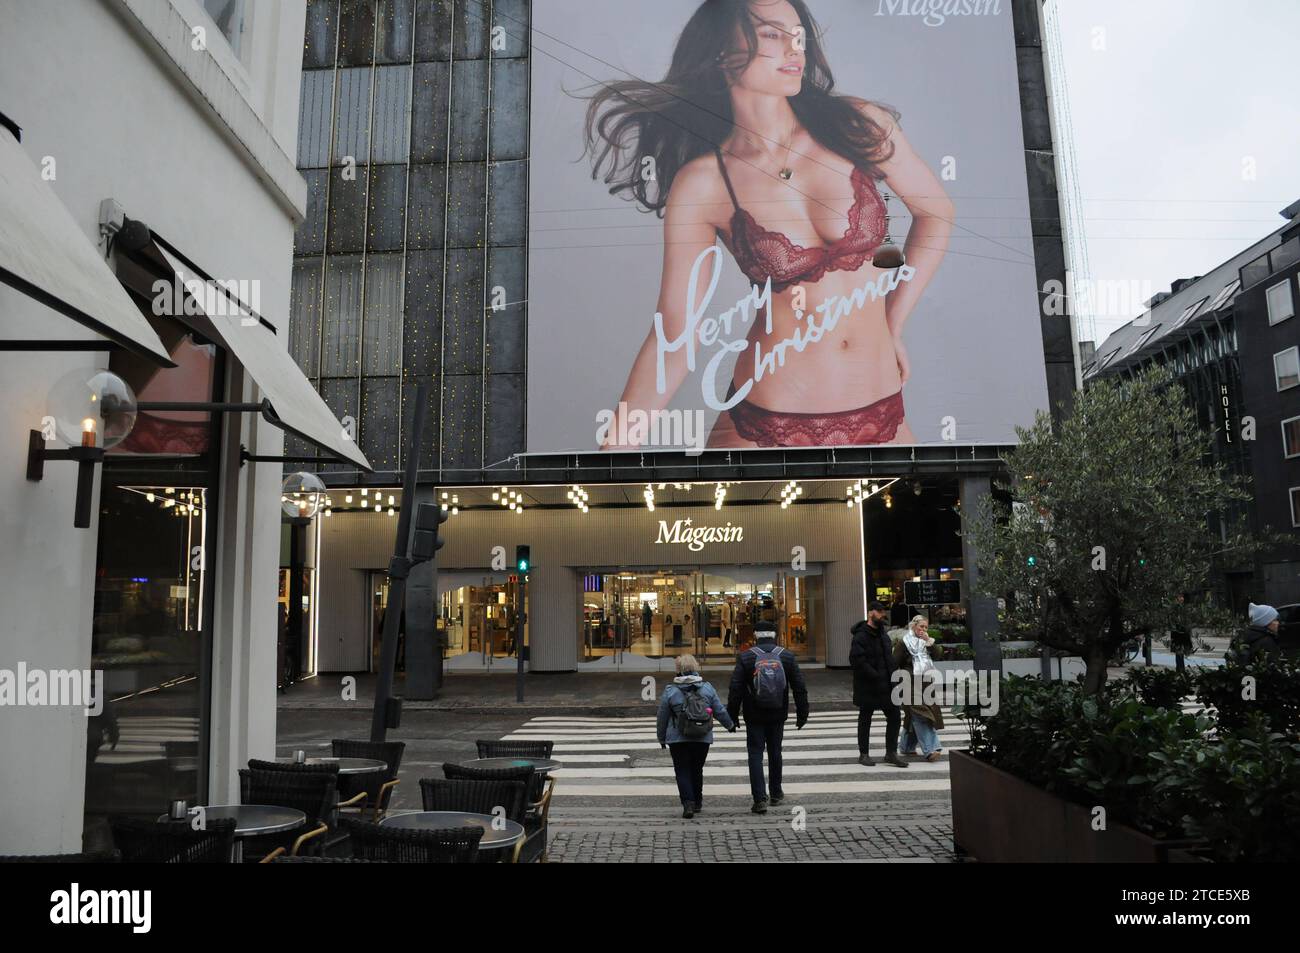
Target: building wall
1278, 576
565, 541
414, 142
127, 110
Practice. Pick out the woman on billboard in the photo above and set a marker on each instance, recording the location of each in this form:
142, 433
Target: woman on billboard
745, 140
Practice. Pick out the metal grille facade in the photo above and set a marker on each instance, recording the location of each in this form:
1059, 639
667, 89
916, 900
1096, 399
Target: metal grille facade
410, 266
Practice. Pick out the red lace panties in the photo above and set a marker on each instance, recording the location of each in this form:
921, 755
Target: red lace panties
875, 423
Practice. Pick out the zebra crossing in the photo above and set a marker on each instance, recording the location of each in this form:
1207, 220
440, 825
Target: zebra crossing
619, 757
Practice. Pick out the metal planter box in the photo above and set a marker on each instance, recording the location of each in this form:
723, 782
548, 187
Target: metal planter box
999, 818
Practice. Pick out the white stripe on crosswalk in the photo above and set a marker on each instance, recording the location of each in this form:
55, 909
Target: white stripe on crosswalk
621, 757
789, 771
620, 722
737, 741
649, 734
713, 791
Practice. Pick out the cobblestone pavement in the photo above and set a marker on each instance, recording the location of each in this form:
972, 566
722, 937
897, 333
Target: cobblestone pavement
834, 832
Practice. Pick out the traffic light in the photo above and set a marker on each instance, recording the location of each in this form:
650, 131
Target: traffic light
428, 517
1032, 561
522, 560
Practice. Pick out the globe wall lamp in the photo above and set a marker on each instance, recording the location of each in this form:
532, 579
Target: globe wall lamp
91, 411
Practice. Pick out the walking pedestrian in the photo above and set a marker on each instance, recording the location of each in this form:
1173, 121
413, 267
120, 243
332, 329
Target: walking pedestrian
687, 709
920, 722
1259, 639
761, 683
871, 657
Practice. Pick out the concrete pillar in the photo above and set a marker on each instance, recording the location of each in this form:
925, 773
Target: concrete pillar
981, 611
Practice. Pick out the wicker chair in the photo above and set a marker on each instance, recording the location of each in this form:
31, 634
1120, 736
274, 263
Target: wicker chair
396, 846
484, 797
377, 788
515, 749
310, 788
172, 842
93, 857
538, 811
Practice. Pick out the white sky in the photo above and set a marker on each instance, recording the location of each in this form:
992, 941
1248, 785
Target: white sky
1165, 118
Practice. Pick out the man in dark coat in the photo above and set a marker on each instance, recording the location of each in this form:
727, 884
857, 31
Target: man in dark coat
1259, 639
871, 657
765, 725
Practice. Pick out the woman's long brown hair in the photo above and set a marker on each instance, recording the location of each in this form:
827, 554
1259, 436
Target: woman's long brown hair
688, 112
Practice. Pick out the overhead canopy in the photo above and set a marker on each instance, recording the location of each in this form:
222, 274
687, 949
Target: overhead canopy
46, 256
295, 404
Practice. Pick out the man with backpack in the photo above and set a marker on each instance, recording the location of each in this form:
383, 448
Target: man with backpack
685, 724
761, 684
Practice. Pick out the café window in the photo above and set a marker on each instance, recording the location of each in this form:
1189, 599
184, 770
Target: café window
151, 624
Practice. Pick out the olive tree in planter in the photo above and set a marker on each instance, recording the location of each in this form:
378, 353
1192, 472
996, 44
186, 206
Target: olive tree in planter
1109, 522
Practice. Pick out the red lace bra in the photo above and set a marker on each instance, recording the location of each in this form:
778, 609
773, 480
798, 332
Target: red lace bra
761, 253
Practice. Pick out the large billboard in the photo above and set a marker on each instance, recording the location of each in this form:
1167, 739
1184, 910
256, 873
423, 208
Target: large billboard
721, 193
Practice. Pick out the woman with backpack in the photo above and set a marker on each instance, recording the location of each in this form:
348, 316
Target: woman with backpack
687, 709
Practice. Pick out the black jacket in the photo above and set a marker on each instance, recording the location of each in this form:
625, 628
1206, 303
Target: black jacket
871, 657
740, 696
1258, 643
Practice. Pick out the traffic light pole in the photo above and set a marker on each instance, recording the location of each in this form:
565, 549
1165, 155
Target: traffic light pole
399, 567
519, 639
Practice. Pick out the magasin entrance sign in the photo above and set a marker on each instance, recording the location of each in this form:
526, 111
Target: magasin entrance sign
932, 592
694, 537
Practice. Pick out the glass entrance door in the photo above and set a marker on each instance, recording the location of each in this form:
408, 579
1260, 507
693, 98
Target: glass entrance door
631, 620
477, 622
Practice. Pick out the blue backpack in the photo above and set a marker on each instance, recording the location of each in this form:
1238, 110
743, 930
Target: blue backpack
769, 678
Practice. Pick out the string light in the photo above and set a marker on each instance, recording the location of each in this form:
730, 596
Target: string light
859, 491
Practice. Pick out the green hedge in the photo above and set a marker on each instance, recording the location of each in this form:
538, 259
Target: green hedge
1231, 777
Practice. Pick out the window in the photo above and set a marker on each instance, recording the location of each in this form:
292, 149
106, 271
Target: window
1221, 298
1295, 506
1286, 368
1146, 336
1280, 305
1291, 438
228, 15
1191, 310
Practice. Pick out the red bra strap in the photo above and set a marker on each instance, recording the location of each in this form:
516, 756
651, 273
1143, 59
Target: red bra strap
726, 178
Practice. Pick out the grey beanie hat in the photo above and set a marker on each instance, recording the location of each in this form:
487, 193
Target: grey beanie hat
1261, 616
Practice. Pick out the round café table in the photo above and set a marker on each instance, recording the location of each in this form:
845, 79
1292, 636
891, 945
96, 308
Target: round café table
495, 837
252, 820
346, 765
540, 765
